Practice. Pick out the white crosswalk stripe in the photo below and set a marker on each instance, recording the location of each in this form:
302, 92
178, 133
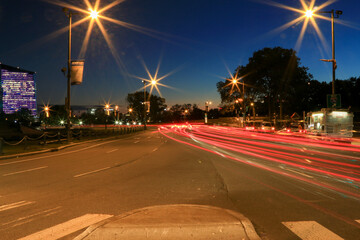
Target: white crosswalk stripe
14, 205
311, 230
357, 221
67, 228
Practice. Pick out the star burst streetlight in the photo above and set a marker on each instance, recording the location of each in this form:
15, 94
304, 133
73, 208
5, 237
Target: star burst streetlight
153, 81
308, 15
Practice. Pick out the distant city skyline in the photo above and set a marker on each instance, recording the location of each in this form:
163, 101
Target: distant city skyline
196, 42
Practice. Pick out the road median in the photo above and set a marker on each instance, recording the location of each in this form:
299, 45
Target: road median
180, 221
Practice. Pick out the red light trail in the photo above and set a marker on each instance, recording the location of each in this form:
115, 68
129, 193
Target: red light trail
263, 150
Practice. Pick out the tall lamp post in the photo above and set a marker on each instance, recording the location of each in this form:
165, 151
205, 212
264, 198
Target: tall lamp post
69, 14
145, 103
207, 103
253, 106
153, 83
67, 101
309, 14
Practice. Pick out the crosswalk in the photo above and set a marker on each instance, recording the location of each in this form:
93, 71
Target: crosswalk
305, 230
68, 227
310, 230
52, 233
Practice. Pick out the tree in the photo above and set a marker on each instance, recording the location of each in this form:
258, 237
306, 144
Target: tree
274, 77
157, 106
22, 117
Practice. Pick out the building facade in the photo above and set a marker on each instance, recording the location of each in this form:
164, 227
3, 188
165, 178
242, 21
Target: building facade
17, 90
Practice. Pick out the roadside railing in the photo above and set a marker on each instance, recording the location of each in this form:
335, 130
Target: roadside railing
60, 136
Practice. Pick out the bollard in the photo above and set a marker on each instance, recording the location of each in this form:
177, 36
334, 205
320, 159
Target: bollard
1, 146
80, 134
45, 139
59, 137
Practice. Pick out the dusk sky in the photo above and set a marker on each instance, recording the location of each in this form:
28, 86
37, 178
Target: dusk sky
195, 40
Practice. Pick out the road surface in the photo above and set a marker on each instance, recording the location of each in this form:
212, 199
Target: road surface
290, 187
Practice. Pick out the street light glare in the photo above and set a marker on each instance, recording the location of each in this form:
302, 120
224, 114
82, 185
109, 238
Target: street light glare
94, 14
234, 81
309, 13
153, 82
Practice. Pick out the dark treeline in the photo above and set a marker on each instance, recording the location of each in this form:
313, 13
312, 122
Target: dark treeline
276, 83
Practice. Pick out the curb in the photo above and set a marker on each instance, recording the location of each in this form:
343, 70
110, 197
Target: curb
179, 221
52, 149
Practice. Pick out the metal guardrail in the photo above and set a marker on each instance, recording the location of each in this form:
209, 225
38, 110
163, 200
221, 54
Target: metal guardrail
46, 137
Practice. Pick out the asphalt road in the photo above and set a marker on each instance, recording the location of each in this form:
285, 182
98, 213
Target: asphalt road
290, 187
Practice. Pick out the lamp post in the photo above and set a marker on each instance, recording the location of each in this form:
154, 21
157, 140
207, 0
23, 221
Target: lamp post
207, 103
253, 106
117, 112
185, 113
69, 14
46, 109
309, 14
144, 104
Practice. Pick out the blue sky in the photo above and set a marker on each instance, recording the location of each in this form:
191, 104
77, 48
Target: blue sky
200, 39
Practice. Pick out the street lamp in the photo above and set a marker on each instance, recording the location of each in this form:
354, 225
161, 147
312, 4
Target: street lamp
332, 12
207, 103
145, 103
153, 82
185, 113
107, 107
46, 109
69, 14
117, 112
253, 106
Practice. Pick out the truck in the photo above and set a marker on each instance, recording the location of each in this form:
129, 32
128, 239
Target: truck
330, 122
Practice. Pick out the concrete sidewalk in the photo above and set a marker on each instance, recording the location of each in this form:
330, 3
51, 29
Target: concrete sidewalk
178, 221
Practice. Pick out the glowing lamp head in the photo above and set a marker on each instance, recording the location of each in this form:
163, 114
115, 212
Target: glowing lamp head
153, 82
107, 106
130, 110
309, 13
46, 109
234, 81
94, 14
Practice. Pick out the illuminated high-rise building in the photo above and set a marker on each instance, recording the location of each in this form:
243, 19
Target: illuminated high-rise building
17, 89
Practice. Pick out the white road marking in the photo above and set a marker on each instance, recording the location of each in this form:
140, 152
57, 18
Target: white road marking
26, 219
24, 171
95, 171
56, 155
155, 149
14, 205
112, 150
357, 221
67, 228
310, 230
137, 142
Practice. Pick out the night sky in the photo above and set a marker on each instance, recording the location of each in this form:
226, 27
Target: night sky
197, 39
